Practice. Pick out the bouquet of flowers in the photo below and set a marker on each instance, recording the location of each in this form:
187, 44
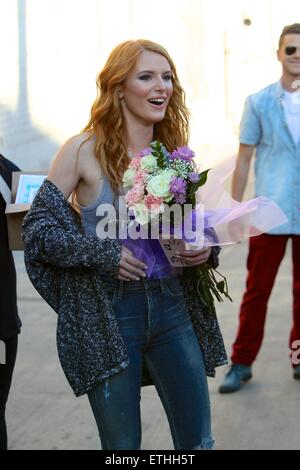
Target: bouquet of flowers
156, 179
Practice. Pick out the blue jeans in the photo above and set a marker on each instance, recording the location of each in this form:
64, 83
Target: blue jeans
156, 327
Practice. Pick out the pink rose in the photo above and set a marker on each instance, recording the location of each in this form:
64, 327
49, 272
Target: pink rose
151, 200
135, 195
140, 177
135, 163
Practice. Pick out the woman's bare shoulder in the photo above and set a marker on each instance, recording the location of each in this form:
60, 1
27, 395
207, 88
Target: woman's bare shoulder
78, 142
66, 169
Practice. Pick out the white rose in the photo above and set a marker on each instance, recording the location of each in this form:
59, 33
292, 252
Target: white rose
148, 163
159, 185
141, 213
128, 178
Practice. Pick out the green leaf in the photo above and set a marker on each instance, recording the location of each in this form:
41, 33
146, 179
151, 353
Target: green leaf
191, 199
208, 289
157, 151
193, 187
221, 286
203, 178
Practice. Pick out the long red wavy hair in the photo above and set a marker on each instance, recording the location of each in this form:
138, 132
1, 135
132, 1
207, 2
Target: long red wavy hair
106, 121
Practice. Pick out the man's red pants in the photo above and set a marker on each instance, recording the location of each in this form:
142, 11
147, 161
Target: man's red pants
265, 255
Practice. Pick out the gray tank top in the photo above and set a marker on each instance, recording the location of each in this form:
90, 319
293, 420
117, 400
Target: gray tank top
88, 213
161, 267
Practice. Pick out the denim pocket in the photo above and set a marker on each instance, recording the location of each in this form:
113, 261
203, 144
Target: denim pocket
173, 287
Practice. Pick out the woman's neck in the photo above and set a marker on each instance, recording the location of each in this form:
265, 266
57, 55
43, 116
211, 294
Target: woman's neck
138, 138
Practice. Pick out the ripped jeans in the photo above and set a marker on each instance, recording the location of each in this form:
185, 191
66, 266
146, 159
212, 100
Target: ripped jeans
156, 327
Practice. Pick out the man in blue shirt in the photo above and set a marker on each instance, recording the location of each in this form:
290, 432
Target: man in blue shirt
270, 125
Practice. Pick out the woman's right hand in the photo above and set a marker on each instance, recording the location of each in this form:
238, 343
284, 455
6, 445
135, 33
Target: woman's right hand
131, 269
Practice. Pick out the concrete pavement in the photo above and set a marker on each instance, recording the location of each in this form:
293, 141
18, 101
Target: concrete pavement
42, 412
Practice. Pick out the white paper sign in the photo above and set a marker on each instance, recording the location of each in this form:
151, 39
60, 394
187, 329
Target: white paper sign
28, 187
170, 247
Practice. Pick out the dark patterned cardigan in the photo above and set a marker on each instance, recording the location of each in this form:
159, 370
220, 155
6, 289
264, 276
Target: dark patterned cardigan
63, 264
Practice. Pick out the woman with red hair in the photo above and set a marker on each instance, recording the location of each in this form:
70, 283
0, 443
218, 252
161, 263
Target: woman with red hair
117, 328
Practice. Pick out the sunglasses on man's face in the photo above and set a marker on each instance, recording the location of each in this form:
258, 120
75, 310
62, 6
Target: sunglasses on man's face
291, 50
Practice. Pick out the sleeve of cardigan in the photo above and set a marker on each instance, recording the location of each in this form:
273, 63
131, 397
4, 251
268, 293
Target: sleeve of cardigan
69, 250
52, 240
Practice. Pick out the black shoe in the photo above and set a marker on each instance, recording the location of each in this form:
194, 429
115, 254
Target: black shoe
237, 375
296, 374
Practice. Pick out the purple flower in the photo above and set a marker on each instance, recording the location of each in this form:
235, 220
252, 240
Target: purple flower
178, 189
183, 153
193, 177
177, 185
146, 151
180, 198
